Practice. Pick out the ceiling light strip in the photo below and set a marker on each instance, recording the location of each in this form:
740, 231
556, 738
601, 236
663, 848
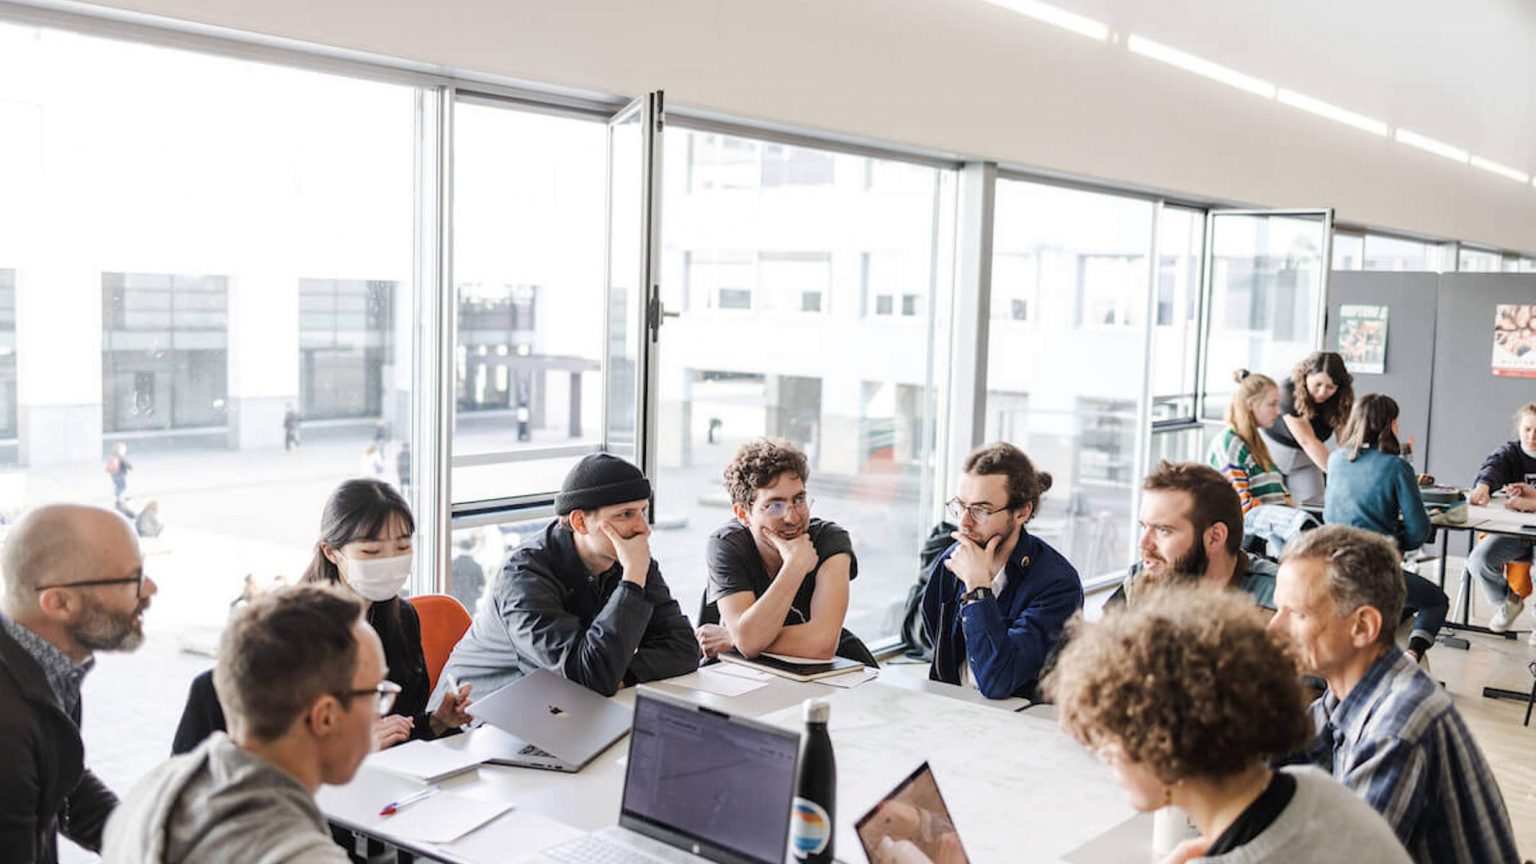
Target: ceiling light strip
1430, 145
1200, 66
1501, 170
1331, 112
1056, 16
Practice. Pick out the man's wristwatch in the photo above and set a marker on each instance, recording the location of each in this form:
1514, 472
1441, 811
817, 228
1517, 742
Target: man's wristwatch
974, 595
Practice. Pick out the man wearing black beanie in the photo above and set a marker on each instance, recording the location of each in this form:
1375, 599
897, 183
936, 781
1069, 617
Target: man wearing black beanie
584, 599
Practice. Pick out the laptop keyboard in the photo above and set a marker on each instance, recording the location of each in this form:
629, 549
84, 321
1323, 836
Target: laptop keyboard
597, 850
530, 750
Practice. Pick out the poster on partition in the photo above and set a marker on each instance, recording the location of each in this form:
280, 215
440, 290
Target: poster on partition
1514, 340
1363, 338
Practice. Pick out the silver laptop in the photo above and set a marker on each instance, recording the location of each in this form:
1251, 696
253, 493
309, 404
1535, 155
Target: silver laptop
543, 721
700, 785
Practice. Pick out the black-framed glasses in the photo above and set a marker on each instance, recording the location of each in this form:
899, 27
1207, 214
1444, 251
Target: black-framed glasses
978, 512
137, 581
386, 691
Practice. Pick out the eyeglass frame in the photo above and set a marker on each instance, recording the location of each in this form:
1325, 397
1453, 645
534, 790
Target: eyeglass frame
386, 692
954, 507
137, 580
799, 502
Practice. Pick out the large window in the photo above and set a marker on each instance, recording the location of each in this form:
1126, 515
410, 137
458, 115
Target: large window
345, 330
1470, 260
795, 283
529, 200
1069, 310
159, 294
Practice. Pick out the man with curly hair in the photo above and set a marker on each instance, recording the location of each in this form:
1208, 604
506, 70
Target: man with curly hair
1384, 728
778, 576
1192, 531
997, 600
1203, 742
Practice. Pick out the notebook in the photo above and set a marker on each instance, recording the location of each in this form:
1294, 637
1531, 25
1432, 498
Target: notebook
794, 668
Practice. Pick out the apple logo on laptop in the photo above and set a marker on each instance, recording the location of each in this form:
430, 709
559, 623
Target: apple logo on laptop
557, 711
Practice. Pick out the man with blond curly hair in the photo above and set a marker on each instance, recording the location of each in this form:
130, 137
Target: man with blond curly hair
778, 577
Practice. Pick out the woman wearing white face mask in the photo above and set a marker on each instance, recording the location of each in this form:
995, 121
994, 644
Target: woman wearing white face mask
364, 547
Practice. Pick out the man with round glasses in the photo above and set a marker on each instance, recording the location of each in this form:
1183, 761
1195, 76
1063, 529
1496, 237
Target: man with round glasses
300, 677
74, 584
998, 599
778, 577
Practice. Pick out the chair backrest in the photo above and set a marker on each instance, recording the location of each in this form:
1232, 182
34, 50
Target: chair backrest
443, 622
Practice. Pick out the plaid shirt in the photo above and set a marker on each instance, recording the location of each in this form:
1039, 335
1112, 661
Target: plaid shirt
1397, 740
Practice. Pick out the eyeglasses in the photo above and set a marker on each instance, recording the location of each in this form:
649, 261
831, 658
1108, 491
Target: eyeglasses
136, 580
780, 509
386, 693
978, 512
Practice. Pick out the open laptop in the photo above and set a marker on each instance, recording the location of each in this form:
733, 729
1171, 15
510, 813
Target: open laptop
543, 721
911, 824
700, 785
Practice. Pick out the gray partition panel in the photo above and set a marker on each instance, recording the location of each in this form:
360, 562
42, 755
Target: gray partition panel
1410, 299
1473, 408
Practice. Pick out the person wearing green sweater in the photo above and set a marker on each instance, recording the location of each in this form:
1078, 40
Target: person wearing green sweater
1371, 486
1240, 453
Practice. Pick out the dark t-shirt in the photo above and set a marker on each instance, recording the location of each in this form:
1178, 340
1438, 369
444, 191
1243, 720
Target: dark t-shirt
735, 565
1281, 432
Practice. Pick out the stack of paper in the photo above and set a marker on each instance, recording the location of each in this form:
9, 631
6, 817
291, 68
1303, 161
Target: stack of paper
428, 761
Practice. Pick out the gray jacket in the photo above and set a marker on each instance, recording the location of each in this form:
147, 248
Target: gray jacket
544, 611
1324, 823
219, 803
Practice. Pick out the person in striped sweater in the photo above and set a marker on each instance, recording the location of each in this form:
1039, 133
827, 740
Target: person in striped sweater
1239, 452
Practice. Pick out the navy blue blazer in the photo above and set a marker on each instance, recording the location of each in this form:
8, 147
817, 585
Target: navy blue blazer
1006, 638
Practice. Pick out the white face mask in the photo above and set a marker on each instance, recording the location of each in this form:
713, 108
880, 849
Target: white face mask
378, 579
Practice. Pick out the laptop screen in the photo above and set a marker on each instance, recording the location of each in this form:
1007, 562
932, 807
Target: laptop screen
912, 823
708, 783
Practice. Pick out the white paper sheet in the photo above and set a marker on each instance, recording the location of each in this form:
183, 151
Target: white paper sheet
526, 832
443, 818
737, 671
427, 761
711, 679
850, 680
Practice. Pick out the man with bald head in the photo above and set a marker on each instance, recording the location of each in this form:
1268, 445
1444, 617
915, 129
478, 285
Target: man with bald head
73, 584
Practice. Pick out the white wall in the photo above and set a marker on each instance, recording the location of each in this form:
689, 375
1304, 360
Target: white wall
970, 78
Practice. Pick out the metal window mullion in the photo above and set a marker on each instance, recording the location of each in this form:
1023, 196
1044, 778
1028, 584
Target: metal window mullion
433, 336
970, 326
1143, 426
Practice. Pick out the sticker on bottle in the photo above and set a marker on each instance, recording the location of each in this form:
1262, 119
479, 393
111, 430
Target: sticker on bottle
810, 828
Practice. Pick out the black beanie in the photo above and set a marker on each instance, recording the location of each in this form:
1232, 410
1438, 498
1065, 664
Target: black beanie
601, 480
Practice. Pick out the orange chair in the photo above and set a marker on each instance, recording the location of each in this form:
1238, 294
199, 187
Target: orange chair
1518, 575
443, 622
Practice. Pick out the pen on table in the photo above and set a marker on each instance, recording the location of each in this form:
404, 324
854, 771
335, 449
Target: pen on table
391, 809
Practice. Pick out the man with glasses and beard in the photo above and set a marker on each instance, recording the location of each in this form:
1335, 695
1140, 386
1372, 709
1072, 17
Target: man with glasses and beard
998, 599
778, 577
74, 584
1192, 531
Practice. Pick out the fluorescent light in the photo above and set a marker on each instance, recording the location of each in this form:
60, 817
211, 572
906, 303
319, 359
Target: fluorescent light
1331, 112
1430, 145
1082, 25
1200, 66
1501, 170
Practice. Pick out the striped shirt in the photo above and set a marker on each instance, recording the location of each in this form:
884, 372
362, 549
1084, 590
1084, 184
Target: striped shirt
1255, 484
1397, 740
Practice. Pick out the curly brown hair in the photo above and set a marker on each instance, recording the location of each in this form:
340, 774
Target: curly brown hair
1338, 407
1186, 683
758, 464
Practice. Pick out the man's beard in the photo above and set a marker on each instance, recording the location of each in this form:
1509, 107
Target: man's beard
1005, 535
1188, 569
101, 629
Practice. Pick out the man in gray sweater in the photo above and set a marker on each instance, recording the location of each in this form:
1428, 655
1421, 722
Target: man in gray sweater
301, 680
584, 599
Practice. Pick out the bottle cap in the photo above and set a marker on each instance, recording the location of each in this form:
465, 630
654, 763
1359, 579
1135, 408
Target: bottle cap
817, 710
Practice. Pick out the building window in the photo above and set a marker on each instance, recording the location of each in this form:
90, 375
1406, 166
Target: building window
344, 343
165, 341
784, 165
794, 281
892, 286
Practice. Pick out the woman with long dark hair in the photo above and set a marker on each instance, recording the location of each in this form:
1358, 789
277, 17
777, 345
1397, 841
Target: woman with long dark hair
1315, 402
1371, 486
366, 532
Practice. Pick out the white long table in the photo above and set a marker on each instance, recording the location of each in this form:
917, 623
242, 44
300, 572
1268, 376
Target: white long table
1493, 518
1018, 788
